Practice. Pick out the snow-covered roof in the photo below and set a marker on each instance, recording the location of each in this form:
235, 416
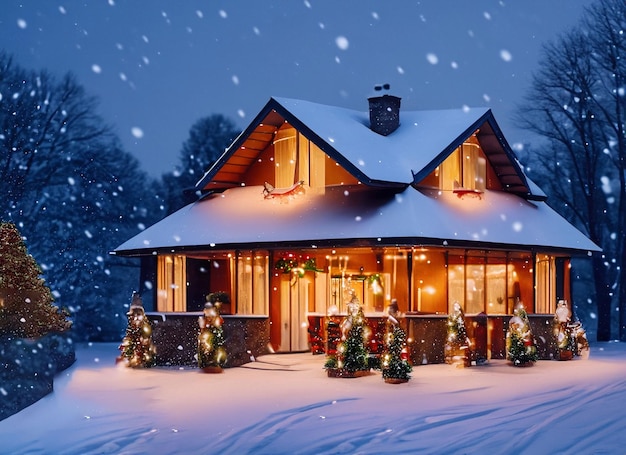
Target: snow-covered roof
387, 207
421, 142
243, 216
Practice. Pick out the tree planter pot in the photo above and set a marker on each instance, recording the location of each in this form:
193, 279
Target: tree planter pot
212, 370
342, 373
395, 380
565, 355
522, 365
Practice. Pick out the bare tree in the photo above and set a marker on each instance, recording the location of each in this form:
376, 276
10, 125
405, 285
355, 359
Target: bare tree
73, 192
208, 138
576, 102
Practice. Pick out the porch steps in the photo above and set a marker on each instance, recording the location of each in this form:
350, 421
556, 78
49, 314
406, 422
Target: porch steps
284, 362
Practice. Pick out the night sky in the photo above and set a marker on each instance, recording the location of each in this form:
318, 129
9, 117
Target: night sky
157, 66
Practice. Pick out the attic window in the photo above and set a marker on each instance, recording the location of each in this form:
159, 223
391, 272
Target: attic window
463, 171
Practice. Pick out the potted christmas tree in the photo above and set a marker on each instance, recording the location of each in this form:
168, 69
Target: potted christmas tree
570, 337
457, 347
395, 366
520, 344
565, 339
351, 359
137, 348
211, 352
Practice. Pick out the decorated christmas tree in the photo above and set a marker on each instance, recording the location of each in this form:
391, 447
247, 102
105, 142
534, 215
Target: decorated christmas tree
27, 307
565, 340
211, 352
352, 353
137, 348
570, 337
395, 365
520, 343
457, 347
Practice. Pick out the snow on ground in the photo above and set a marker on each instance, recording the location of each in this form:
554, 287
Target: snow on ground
285, 404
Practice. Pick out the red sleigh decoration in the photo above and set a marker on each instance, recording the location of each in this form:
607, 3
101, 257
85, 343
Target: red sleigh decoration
270, 192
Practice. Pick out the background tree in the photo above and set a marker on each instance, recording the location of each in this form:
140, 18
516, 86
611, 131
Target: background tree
577, 103
27, 307
73, 192
208, 138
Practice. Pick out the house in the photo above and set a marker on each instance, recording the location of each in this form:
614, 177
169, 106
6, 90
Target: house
312, 204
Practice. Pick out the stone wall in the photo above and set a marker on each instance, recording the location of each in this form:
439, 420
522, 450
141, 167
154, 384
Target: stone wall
427, 335
175, 336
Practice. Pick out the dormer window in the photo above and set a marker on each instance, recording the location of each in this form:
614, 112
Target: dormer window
296, 159
464, 170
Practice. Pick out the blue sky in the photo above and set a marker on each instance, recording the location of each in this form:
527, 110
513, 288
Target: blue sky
157, 66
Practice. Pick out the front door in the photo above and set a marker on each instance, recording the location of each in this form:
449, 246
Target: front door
295, 294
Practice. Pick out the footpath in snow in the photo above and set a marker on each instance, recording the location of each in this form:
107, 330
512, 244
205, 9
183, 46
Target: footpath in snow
285, 404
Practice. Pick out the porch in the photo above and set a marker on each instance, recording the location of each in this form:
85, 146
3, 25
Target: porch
248, 337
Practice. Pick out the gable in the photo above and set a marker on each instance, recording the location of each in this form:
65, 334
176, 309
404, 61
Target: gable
255, 148
502, 169
405, 157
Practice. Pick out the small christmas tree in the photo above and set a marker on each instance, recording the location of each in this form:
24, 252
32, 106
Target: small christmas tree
395, 365
565, 340
352, 353
211, 352
26, 303
520, 343
571, 339
137, 348
457, 347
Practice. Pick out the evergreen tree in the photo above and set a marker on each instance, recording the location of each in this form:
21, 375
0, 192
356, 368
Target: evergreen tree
457, 347
520, 343
211, 350
137, 347
394, 365
352, 353
26, 303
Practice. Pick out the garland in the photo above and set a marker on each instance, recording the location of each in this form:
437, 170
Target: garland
287, 265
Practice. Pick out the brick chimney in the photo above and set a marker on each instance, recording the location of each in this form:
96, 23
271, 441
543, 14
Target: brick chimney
384, 112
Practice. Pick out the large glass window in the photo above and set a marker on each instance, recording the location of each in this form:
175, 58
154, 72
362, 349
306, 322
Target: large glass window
546, 281
456, 280
429, 281
491, 282
171, 292
252, 282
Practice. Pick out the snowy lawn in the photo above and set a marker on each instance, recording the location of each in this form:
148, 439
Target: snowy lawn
285, 404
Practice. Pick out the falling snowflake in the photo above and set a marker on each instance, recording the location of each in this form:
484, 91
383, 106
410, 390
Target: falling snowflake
136, 132
506, 55
432, 58
342, 43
